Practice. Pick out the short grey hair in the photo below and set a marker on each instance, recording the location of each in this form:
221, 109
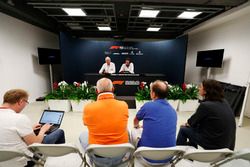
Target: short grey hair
104, 85
107, 58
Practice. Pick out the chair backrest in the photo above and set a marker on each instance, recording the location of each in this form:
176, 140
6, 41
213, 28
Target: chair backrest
241, 154
6, 154
53, 150
207, 156
110, 151
159, 153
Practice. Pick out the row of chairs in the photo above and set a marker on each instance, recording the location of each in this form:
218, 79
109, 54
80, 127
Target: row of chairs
134, 157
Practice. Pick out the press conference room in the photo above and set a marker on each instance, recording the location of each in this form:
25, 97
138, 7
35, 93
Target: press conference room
57, 51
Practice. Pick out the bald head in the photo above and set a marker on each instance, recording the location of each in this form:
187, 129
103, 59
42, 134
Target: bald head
104, 85
159, 88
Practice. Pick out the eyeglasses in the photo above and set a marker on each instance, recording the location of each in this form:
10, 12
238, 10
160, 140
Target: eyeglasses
26, 101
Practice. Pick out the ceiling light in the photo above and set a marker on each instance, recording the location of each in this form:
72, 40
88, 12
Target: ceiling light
188, 15
74, 11
104, 28
153, 28
149, 13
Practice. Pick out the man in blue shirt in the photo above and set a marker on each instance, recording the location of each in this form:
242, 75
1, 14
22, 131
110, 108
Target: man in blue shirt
159, 119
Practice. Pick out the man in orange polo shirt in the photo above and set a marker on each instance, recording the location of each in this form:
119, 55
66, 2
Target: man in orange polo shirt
106, 119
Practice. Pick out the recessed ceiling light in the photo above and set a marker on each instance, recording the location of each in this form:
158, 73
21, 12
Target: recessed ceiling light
149, 13
74, 11
188, 15
104, 28
153, 29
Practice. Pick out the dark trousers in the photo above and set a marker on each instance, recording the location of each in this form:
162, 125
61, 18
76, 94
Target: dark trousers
56, 137
188, 136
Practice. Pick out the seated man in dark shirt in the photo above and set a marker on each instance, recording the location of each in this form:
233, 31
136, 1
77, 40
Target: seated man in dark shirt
213, 125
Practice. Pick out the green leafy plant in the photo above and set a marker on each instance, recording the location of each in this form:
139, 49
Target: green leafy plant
183, 93
60, 91
175, 92
143, 92
82, 92
77, 91
190, 92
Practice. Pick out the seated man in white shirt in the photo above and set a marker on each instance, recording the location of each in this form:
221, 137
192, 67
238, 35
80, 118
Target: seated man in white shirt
16, 130
108, 67
127, 67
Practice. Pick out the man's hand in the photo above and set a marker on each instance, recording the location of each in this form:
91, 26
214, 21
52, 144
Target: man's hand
45, 128
32, 138
185, 125
36, 126
136, 123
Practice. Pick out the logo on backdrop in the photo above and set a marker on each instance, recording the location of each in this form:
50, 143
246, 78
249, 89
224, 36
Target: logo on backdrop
124, 51
121, 82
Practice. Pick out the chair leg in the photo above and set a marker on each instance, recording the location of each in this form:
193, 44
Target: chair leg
85, 161
175, 160
82, 157
131, 163
216, 164
41, 161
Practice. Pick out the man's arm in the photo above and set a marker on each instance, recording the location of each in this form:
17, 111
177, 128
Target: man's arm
131, 68
185, 125
136, 123
112, 69
85, 115
32, 138
121, 69
102, 69
139, 116
198, 116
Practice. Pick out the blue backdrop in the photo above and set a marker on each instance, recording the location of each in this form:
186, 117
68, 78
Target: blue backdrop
81, 56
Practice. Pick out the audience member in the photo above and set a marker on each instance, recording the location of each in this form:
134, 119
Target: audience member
213, 125
16, 130
127, 67
106, 120
108, 67
159, 120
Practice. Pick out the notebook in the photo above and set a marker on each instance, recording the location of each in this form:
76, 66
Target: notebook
52, 117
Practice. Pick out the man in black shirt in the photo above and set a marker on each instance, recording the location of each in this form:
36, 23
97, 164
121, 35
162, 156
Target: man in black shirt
213, 125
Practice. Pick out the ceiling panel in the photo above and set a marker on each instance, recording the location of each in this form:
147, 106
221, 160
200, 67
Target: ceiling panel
121, 15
